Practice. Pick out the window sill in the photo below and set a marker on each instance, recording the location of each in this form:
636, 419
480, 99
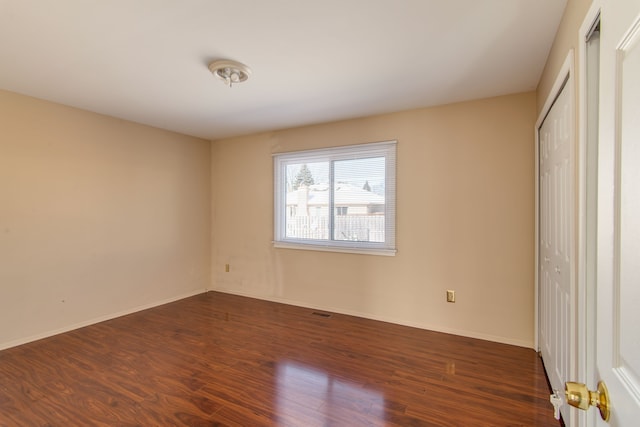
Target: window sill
347, 250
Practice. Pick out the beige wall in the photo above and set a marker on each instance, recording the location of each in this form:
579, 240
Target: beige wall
567, 38
98, 217
465, 221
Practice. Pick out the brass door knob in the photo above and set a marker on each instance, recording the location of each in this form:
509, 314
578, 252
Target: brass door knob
579, 396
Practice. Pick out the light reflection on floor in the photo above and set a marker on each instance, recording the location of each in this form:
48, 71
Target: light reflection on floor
305, 391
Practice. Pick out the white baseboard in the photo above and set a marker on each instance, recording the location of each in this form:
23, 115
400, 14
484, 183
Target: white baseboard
463, 333
93, 321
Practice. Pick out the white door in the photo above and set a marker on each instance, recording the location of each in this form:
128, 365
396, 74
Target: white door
618, 252
555, 136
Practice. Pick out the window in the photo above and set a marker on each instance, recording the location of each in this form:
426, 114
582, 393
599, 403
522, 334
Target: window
337, 199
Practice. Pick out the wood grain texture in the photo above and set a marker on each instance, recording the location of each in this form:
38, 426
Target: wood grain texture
223, 360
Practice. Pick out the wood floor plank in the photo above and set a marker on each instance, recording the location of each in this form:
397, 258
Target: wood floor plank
223, 360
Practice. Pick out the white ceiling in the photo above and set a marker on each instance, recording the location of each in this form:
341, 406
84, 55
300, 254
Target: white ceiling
312, 61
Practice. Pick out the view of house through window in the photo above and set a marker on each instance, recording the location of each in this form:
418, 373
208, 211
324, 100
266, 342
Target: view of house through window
342, 196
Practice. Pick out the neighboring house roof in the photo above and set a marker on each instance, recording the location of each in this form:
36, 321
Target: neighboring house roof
345, 195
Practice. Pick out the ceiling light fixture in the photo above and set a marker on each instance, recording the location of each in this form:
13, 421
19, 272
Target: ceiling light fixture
230, 72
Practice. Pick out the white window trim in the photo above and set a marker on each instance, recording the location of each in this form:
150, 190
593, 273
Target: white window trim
318, 247
386, 149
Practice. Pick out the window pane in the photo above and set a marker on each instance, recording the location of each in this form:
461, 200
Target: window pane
307, 201
359, 200
337, 199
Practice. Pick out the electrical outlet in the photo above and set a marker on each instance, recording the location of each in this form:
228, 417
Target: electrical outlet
226, 268
451, 296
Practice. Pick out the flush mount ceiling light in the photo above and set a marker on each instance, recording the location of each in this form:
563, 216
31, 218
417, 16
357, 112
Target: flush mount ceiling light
230, 72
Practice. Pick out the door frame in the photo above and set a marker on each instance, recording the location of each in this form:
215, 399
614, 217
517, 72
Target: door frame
587, 286
565, 78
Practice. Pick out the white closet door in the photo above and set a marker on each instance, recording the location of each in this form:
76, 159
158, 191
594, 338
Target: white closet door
556, 237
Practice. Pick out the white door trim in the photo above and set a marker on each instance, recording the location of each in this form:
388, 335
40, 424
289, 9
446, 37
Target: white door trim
586, 290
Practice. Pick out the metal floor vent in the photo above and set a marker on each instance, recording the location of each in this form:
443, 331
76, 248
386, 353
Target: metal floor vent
317, 313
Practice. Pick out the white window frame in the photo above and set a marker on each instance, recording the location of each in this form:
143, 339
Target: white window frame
386, 149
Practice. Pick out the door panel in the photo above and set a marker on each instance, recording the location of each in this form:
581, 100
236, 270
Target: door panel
629, 201
618, 258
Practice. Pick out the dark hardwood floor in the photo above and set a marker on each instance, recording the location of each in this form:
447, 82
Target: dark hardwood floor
218, 359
